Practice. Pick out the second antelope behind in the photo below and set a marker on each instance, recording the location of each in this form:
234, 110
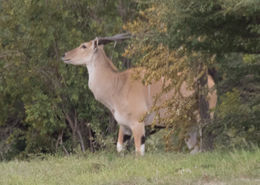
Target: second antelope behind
127, 98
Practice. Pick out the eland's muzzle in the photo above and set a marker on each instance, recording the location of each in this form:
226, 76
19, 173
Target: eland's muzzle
65, 60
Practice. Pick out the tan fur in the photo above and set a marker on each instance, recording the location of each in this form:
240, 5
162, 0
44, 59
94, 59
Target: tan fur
127, 98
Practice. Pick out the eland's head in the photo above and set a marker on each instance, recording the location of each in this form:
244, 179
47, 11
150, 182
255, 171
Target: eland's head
80, 55
84, 54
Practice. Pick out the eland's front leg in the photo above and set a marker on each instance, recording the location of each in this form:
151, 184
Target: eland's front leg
139, 137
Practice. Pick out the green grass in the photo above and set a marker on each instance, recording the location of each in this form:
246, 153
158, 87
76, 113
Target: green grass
239, 167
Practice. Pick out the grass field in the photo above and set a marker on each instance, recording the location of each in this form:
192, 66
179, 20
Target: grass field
237, 167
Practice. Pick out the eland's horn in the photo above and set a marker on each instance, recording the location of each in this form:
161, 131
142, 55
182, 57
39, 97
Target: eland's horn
115, 38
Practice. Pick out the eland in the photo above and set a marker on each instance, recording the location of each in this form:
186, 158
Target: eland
127, 98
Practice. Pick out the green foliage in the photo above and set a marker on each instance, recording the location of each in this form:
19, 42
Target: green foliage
240, 121
212, 26
237, 122
47, 101
188, 38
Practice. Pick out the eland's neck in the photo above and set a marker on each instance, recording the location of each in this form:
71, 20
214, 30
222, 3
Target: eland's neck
102, 73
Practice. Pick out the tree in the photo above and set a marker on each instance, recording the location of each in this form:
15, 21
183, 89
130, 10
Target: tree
46, 105
184, 40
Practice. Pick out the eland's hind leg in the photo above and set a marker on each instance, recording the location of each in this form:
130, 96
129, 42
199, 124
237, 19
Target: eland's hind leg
124, 135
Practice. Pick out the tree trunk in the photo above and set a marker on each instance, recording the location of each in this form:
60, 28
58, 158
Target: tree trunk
75, 131
196, 141
203, 107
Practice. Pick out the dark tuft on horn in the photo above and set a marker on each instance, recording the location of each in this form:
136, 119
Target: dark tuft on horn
115, 38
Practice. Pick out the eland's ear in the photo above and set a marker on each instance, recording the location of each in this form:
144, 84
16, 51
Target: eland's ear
95, 44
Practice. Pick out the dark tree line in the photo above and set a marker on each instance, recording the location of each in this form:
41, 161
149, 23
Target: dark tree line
46, 106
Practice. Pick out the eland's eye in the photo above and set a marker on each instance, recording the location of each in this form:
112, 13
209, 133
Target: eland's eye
84, 46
